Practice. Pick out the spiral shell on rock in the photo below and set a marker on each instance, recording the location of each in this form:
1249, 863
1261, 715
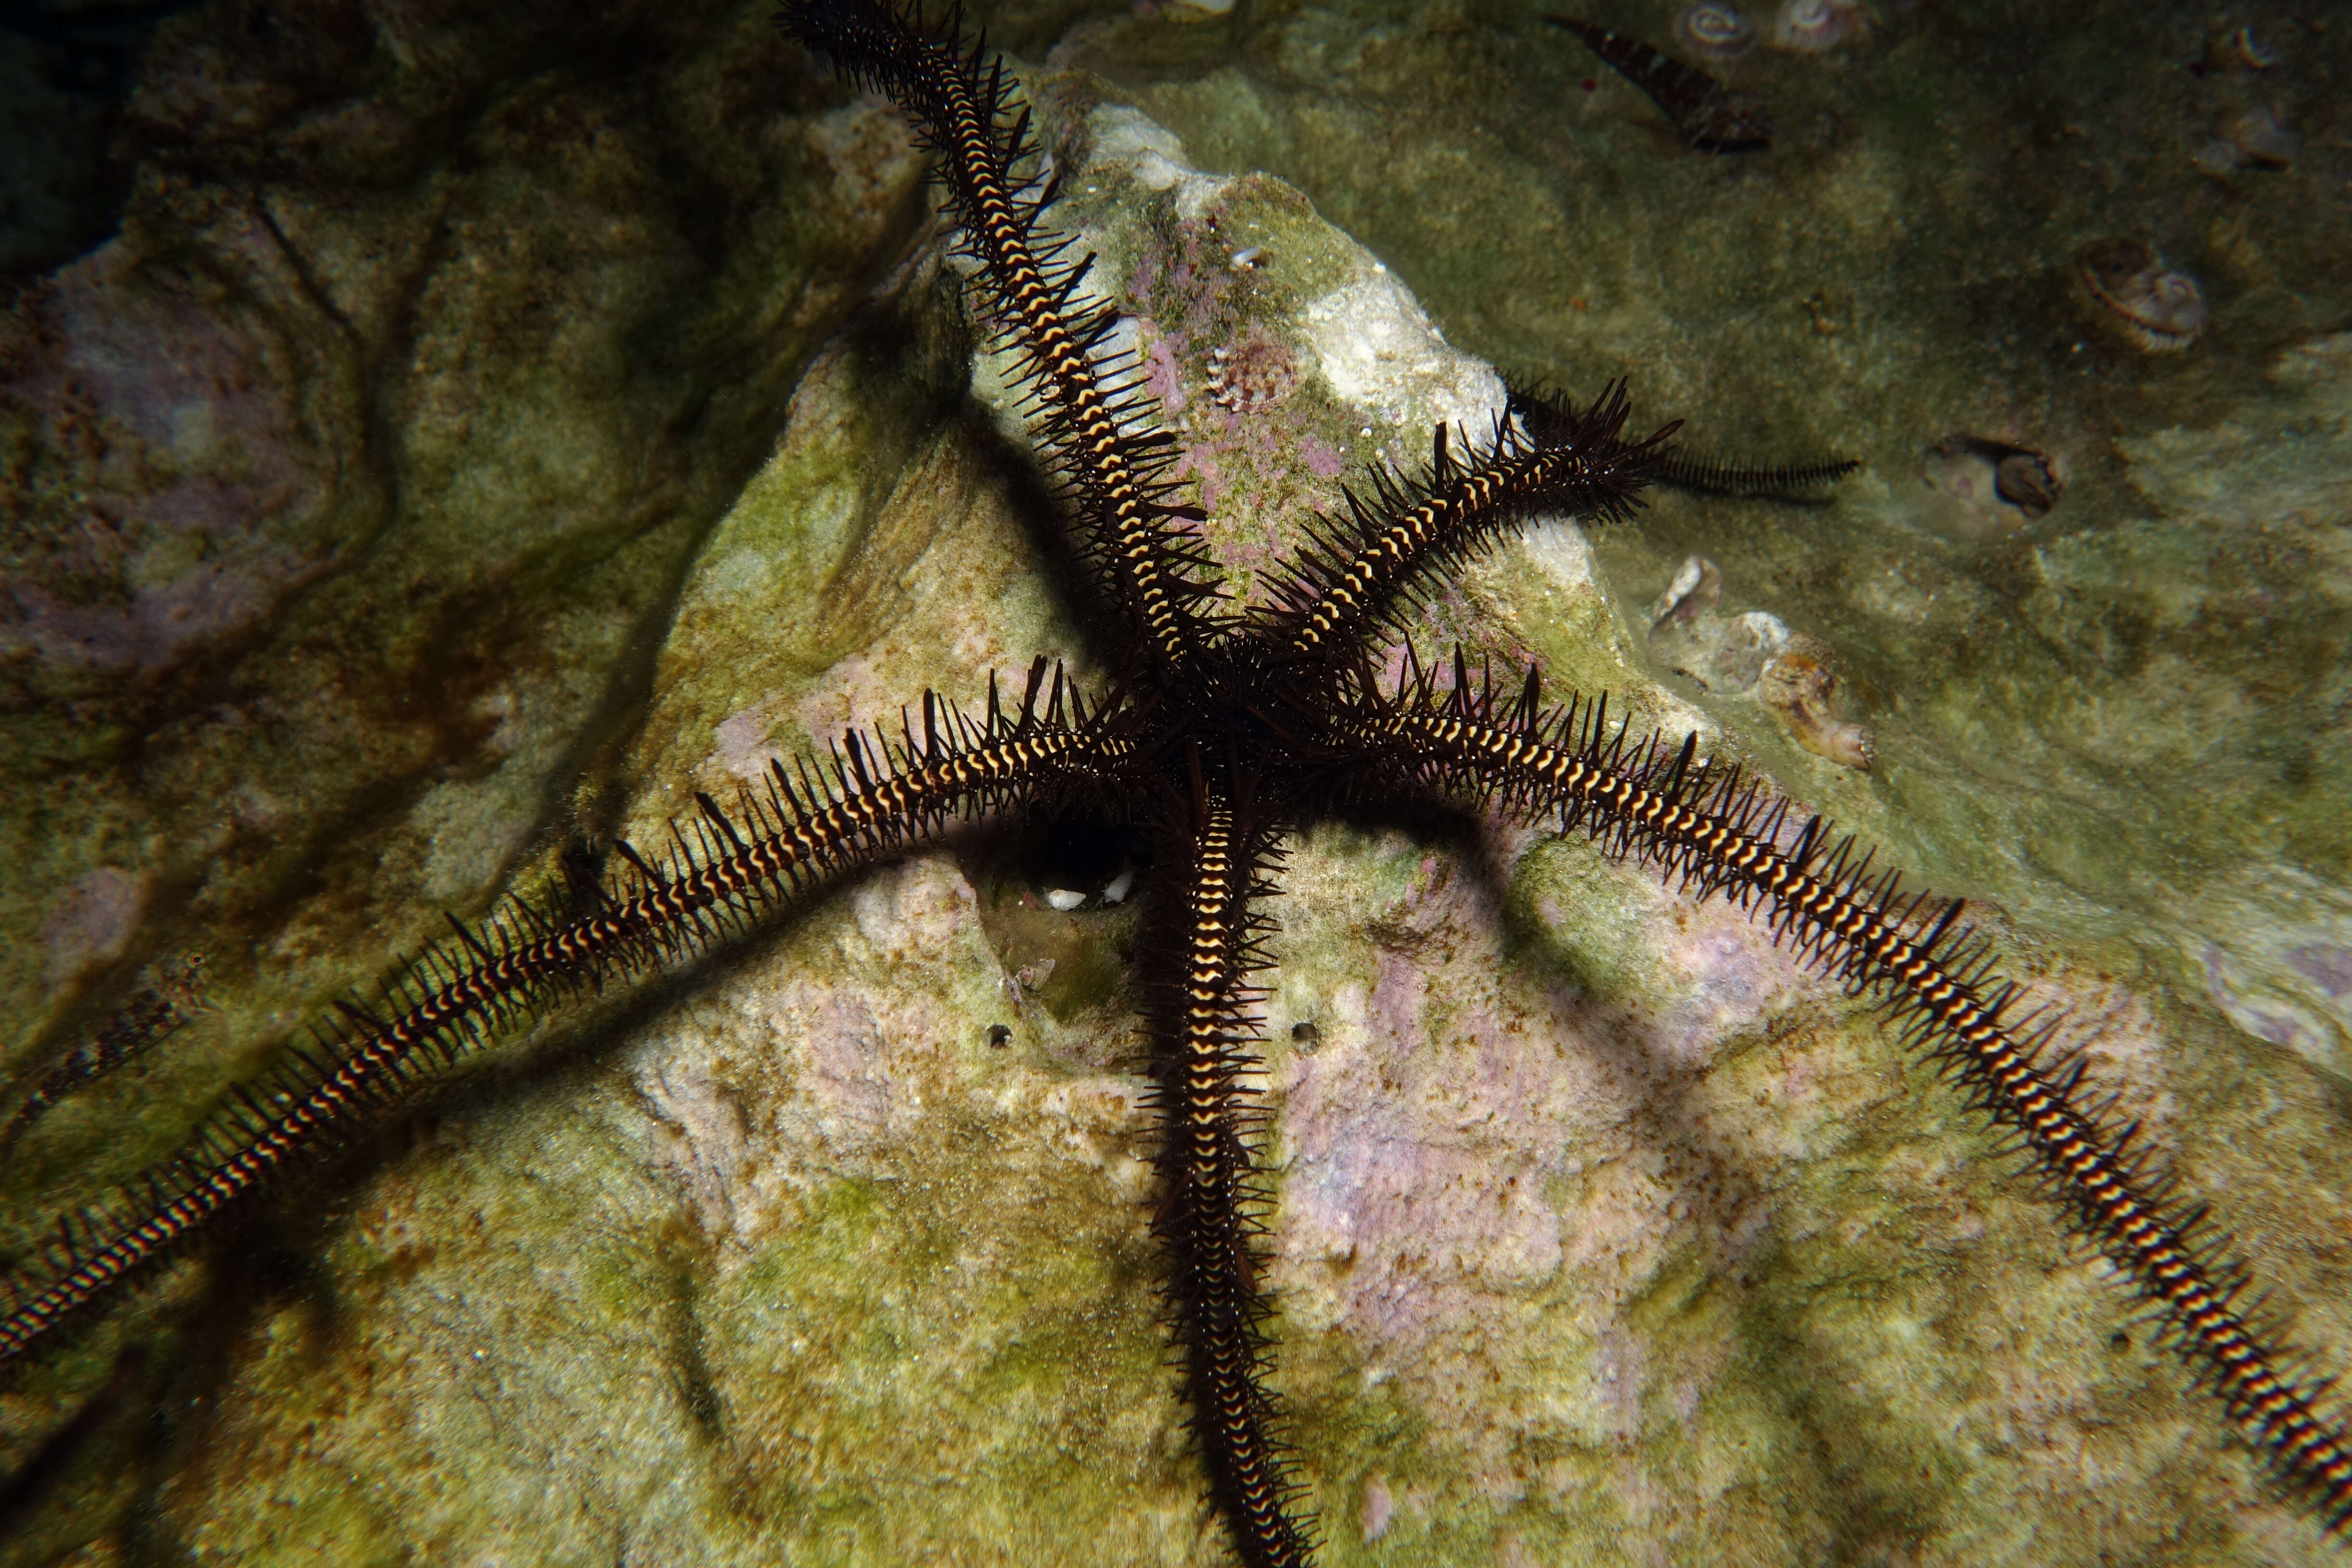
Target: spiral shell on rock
1696, 590
1813, 27
2260, 140
1713, 30
2026, 481
2158, 310
1796, 687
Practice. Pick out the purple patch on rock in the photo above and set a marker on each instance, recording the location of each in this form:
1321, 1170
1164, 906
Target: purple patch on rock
153, 632
169, 488
2326, 966
1322, 460
93, 923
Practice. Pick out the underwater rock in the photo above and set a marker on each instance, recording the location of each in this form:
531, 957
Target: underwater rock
254, 437
1602, 1229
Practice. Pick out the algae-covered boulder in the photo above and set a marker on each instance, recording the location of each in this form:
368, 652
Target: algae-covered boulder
1603, 1231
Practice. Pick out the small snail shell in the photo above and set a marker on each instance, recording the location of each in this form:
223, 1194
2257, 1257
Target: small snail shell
1797, 687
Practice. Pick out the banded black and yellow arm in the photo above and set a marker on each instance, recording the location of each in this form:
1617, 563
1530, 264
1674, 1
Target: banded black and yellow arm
877, 797
1716, 833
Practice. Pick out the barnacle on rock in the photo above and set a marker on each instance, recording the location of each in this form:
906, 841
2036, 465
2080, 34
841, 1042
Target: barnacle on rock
2024, 481
2157, 310
1721, 653
2260, 139
1256, 373
2238, 48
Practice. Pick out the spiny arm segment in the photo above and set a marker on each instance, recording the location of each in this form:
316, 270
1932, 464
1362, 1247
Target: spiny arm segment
1210, 1215
1787, 482
878, 795
152, 1015
959, 100
1718, 834
1550, 415
1349, 582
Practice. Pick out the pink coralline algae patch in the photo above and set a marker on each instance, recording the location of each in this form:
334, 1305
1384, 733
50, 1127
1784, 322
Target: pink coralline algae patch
160, 497
1322, 459
1414, 1157
150, 633
1482, 1163
1199, 462
851, 692
1735, 976
1221, 379
2326, 966
2266, 1015
744, 749
1162, 377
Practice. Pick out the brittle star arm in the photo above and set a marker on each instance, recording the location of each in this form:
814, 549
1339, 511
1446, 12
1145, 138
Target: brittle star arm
1547, 414
1706, 827
1117, 475
1205, 1021
878, 797
1349, 582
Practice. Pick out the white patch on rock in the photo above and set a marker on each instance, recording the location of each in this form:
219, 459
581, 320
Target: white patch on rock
1558, 550
1377, 1507
706, 1139
1379, 350
851, 692
471, 829
868, 155
1152, 156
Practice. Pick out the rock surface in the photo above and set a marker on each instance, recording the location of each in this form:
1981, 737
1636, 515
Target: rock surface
1605, 1234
